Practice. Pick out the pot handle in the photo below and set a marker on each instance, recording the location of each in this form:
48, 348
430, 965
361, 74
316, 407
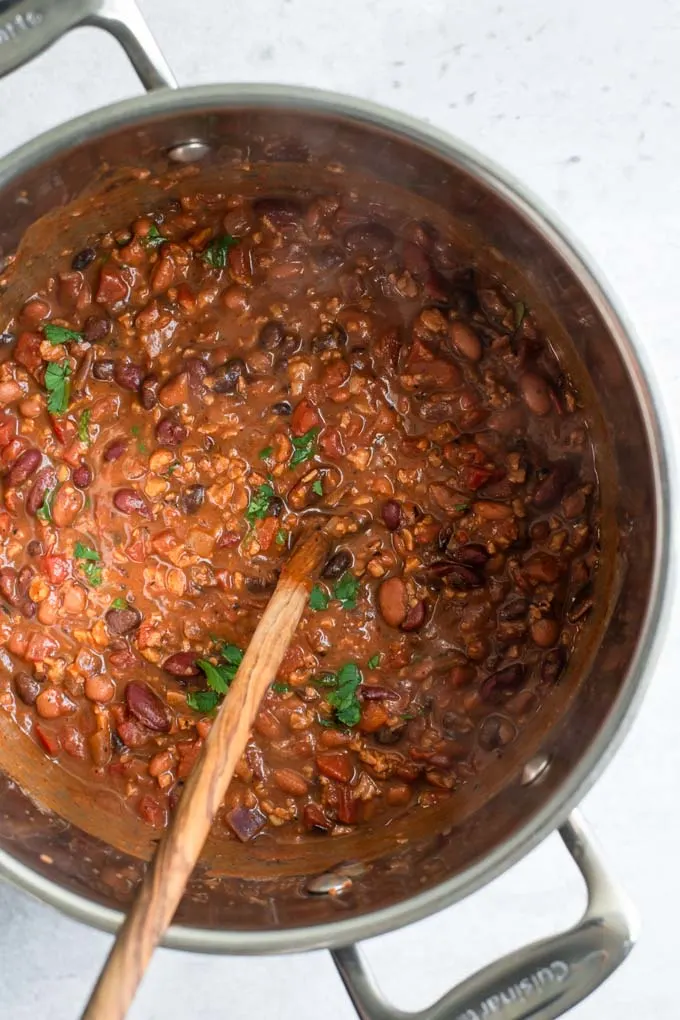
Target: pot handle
538, 982
27, 27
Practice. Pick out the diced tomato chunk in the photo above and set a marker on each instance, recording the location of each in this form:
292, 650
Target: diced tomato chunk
57, 568
48, 740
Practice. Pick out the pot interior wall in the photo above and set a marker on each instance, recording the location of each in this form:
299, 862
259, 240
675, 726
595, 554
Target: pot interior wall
76, 835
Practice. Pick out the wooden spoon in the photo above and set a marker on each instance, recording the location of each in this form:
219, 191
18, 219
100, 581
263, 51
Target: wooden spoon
165, 880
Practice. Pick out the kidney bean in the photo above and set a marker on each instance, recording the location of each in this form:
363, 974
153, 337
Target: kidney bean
96, 328
549, 490
474, 554
27, 687
465, 341
553, 665
170, 432
392, 601
246, 822
44, 482
457, 574
581, 603
391, 514
128, 501
82, 476
336, 566
374, 692
146, 706
83, 259
371, 239
415, 617
182, 664
104, 369
496, 732
535, 393
128, 375
514, 610
192, 498
115, 450
506, 679
226, 377
24, 466
148, 392
123, 621
272, 335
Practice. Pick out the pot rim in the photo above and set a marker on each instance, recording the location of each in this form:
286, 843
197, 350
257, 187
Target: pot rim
577, 783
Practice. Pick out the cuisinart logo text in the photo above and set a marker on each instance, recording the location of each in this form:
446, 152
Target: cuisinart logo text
522, 991
9, 30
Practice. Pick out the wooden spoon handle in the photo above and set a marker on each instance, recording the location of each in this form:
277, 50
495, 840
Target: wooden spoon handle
165, 880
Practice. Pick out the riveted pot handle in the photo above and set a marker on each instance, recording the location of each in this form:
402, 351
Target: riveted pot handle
541, 981
27, 27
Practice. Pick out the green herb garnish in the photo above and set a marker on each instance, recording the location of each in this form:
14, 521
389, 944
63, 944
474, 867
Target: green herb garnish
280, 688
60, 334
304, 446
84, 426
344, 698
346, 591
280, 537
58, 386
90, 564
317, 487
154, 238
44, 511
520, 312
318, 598
462, 507
259, 503
203, 701
266, 453
220, 676
374, 661
216, 253
120, 604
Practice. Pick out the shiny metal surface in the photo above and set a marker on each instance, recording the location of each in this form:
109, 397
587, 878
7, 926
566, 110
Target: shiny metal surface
396, 885
541, 981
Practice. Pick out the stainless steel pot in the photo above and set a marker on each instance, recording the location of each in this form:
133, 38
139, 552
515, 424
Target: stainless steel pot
326, 900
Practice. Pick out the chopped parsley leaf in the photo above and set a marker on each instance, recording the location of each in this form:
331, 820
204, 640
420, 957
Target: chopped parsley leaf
60, 334
266, 452
303, 446
90, 564
344, 698
259, 503
462, 507
120, 604
220, 676
318, 598
280, 688
317, 487
203, 701
280, 537
374, 661
84, 426
216, 253
154, 238
58, 386
520, 312
44, 512
232, 654
346, 590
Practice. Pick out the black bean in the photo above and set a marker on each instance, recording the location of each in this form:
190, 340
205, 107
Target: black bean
369, 239
272, 335
27, 687
514, 610
334, 338
336, 566
83, 259
192, 498
6, 338
496, 732
96, 328
123, 621
474, 554
82, 476
104, 369
227, 376
283, 408
390, 734
276, 506
291, 345
502, 680
148, 393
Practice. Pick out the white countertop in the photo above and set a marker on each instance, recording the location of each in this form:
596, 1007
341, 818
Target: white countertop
581, 101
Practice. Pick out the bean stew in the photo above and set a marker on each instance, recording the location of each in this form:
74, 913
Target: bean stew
179, 399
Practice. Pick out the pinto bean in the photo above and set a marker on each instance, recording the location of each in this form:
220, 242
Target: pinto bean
146, 706
24, 466
392, 601
544, 632
535, 393
67, 504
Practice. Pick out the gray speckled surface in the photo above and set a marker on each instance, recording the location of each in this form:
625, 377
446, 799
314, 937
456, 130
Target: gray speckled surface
582, 101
